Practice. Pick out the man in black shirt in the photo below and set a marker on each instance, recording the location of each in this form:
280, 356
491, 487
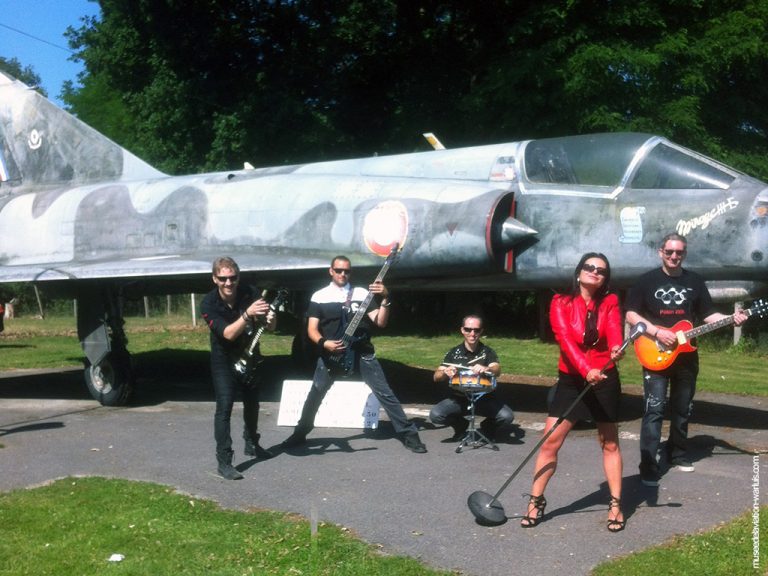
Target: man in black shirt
231, 312
330, 310
660, 299
481, 359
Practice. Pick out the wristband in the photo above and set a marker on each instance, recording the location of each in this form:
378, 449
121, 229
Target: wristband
245, 316
387, 305
321, 344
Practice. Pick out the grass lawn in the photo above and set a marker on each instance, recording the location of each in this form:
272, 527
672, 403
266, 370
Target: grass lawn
62, 530
52, 343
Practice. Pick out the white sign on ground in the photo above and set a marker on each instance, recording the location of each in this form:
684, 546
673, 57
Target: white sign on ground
348, 404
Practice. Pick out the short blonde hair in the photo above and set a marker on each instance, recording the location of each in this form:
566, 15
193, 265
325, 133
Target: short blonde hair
224, 262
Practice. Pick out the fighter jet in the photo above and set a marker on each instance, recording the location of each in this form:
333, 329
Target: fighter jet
85, 218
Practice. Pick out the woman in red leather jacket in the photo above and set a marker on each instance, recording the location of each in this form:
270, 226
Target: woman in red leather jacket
587, 324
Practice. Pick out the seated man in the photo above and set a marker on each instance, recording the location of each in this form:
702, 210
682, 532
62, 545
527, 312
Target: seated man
478, 357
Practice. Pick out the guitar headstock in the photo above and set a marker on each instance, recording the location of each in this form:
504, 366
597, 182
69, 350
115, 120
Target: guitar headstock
280, 299
760, 308
394, 252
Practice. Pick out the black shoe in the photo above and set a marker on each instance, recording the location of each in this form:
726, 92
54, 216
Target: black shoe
229, 472
615, 525
649, 477
533, 517
460, 429
488, 430
257, 451
412, 441
225, 468
295, 439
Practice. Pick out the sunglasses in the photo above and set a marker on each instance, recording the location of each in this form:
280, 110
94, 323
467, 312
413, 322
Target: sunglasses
596, 269
224, 279
342, 271
675, 252
465, 329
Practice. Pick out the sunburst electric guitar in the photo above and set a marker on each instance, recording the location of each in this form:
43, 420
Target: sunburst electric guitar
655, 356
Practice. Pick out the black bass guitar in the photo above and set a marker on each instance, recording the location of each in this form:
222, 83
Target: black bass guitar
343, 363
248, 359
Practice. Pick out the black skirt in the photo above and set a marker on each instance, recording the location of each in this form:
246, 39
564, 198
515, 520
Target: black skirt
600, 404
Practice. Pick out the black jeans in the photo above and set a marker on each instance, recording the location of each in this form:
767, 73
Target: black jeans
451, 411
226, 385
681, 380
373, 375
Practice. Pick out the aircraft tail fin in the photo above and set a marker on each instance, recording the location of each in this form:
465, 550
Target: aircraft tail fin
43, 144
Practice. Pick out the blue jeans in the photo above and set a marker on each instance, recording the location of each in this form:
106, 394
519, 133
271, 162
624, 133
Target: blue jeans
681, 380
373, 375
226, 384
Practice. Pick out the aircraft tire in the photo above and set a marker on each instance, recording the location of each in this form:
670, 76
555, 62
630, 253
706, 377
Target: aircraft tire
111, 381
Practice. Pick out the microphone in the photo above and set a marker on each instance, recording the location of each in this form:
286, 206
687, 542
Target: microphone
634, 334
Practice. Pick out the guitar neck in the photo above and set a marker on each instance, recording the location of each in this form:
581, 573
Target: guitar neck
276, 303
255, 338
707, 328
357, 318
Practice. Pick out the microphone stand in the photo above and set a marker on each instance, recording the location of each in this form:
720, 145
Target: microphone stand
486, 508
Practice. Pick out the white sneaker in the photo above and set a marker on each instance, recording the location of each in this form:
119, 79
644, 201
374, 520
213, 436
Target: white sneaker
683, 465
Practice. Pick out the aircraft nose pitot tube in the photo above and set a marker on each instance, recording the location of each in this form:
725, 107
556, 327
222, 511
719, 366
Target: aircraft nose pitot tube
513, 232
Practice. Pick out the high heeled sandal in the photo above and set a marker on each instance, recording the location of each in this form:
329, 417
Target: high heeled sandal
539, 504
615, 525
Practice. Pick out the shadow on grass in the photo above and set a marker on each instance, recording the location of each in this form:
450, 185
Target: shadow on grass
184, 375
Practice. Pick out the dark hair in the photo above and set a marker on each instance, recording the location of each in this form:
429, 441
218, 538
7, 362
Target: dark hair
605, 288
342, 258
476, 316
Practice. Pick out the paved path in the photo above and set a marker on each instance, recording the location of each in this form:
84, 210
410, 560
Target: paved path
407, 503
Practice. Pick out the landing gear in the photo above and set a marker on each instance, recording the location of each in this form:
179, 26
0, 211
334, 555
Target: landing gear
111, 380
108, 372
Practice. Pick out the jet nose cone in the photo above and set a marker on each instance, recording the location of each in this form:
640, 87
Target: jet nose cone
513, 231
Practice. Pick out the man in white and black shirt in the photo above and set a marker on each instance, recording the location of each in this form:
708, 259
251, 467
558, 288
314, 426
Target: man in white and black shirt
329, 312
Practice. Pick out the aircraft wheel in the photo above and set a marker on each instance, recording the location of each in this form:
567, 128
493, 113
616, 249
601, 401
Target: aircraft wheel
111, 380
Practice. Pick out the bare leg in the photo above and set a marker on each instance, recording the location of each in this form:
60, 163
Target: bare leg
608, 436
546, 464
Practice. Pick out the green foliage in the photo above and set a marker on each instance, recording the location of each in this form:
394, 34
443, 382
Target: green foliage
97, 104
23, 73
207, 85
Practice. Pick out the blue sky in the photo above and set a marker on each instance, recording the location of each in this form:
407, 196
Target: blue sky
41, 43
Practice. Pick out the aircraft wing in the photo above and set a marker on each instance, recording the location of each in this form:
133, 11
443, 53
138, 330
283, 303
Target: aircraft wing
171, 274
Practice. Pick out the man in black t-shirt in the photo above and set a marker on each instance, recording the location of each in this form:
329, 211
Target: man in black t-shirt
230, 310
661, 298
480, 359
330, 310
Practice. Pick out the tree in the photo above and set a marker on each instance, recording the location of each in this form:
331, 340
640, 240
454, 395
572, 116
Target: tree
208, 84
23, 73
